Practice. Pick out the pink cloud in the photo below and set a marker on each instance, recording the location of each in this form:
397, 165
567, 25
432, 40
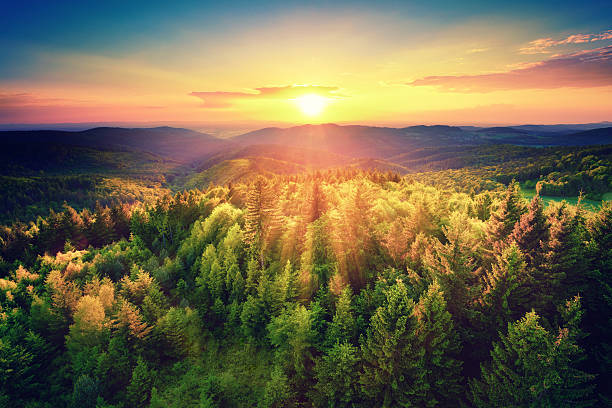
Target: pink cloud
583, 69
224, 99
541, 45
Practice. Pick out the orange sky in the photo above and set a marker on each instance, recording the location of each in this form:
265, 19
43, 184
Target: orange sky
368, 66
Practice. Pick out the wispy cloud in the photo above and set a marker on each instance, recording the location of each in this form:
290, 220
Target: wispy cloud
224, 99
477, 50
543, 45
583, 69
25, 99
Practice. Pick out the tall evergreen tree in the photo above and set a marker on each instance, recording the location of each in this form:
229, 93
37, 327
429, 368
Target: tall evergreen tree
564, 267
139, 390
501, 223
262, 219
316, 206
437, 336
532, 367
336, 385
507, 290
598, 301
343, 326
531, 233
393, 372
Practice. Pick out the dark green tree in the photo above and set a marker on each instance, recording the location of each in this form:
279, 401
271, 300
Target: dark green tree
502, 221
138, 391
343, 326
532, 367
336, 384
393, 372
531, 233
85, 393
440, 341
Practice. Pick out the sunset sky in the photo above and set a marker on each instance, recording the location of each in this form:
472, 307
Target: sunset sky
393, 63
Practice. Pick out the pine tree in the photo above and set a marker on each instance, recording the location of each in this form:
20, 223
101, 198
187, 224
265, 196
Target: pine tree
564, 269
316, 202
393, 372
114, 366
342, 327
292, 335
139, 390
236, 285
336, 385
501, 223
254, 275
286, 282
598, 301
533, 367
506, 290
262, 219
437, 336
531, 233
85, 393
102, 230
278, 392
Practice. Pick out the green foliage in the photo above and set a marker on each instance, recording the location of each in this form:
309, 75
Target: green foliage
533, 367
393, 371
337, 385
85, 393
278, 392
342, 288
343, 326
139, 389
440, 341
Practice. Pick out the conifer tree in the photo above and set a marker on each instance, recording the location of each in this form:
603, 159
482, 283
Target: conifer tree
342, 327
393, 372
564, 268
114, 366
139, 390
336, 385
598, 301
278, 392
437, 336
102, 230
501, 223
254, 275
531, 233
506, 290
85, 393
262, 220
286, 282
316, 202
533, 367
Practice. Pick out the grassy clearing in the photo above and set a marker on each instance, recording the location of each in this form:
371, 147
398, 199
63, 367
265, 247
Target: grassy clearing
589, 204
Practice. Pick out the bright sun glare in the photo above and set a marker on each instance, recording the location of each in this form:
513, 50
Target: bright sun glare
311, 104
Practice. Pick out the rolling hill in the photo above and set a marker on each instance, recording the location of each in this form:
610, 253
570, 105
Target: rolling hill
171, 143
384, 142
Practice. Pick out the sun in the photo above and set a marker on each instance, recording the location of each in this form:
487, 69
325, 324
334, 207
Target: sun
311, 104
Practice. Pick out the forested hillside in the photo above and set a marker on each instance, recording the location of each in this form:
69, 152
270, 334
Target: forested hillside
340, 288
39, 170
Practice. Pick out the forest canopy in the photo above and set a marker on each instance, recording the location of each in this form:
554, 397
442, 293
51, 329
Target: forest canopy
342, 288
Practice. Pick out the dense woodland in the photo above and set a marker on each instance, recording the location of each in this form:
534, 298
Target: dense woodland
35, 179
340, 288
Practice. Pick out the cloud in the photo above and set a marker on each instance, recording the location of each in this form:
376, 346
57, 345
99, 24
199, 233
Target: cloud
223, 99
477, 50
24, 99
583, 69
542, 45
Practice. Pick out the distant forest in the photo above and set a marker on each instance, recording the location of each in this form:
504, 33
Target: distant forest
331, 288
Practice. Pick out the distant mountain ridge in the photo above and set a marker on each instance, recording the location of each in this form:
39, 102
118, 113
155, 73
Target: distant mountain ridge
171, 143
384, 142
310, 146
